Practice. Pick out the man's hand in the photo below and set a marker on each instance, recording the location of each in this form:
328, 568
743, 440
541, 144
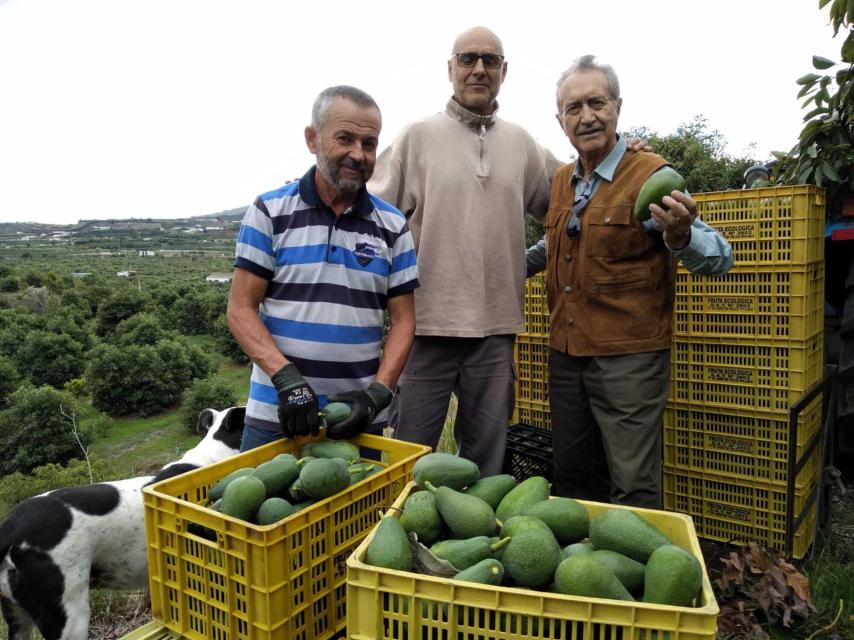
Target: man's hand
298, 414
637, 144
676, 220
366, 404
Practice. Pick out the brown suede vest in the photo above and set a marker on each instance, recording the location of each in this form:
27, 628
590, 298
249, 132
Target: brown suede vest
611, 288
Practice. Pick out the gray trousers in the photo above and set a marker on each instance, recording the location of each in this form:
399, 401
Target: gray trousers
481, 372
606, 426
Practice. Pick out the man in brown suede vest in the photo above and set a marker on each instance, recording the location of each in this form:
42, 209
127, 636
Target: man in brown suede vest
610, 286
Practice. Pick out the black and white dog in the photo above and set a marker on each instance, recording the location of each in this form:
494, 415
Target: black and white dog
54, 546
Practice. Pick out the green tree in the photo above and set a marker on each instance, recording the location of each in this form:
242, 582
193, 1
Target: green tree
227, 345
824, 154
142, 379
17, 487
191, 313
34, 279
50, 358
699, 154
74, 299
213, 392
10, 284
121, 305
34, 431
10, 379
141, 328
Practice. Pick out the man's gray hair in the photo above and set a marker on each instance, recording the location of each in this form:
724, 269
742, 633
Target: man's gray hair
327, 96
589, 63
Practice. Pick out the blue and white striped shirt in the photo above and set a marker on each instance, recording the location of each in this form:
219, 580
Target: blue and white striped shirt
329, 279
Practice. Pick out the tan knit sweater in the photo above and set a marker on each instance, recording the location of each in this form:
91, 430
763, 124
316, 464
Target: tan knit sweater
465, 182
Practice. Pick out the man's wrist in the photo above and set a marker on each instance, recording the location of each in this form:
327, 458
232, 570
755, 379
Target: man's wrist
379, 394
287, 376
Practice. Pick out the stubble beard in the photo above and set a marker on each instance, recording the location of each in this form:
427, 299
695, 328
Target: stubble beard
347, 186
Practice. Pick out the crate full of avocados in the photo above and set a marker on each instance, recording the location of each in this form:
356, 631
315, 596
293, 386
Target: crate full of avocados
459, 556
254, 547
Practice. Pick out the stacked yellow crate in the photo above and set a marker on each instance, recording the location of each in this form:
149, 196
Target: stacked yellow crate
746, 347
531, 354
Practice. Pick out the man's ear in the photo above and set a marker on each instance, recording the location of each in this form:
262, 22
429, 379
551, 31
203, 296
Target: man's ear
311, 139
619, 104
560, 122
450, 71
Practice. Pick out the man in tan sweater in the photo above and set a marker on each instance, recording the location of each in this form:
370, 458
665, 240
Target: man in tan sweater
465, 179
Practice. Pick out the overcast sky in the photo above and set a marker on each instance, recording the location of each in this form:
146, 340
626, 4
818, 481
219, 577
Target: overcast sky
156, 108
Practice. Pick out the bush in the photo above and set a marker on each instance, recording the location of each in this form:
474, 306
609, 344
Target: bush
17, 487
10, 284
50, 358
34, 431
225, 342
140, 329
121, 305
10, 379
76, 387
213, 392
142, 379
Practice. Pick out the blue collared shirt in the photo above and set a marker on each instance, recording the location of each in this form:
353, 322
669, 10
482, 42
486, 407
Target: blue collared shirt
707, 252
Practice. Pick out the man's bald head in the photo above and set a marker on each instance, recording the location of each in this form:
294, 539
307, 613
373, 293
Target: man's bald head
477, 69
479, 35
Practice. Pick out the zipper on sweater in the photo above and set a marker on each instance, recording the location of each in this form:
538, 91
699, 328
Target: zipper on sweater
482, 148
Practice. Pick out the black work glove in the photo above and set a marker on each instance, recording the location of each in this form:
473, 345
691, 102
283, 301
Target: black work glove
365, 405
297, 403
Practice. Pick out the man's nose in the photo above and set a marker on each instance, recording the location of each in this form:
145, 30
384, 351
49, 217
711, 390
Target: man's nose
479, 66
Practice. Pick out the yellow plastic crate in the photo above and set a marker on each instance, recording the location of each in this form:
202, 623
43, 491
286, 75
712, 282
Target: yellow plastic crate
387, 604
151, 631
780, 302
740, 511
742, 373
536, 307
531, 355
532, 412
781, 226
740, 443
283, 581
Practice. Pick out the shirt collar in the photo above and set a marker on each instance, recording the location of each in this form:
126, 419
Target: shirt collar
469, 118
308, 192
604, 170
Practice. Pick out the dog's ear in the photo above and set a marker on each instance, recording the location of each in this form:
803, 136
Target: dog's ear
206, 419
234, 419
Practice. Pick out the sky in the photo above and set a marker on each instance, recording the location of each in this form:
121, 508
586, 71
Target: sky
172, 108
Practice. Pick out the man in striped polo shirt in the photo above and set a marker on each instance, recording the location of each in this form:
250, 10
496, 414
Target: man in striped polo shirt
318, 263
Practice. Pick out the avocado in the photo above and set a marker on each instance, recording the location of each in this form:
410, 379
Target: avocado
219, 488
296, 494
673, 576
585, 576
467, 553
519, 523
389, 547
445, 470
242, 497
534, 489
277, 475
323, 477
335, 412
466, 516
629, 572
420, 516
272, 510
331, 449
626, 532
576, 549
488, 571
531, 557
361, 470
492, 488
659, 184
567, 518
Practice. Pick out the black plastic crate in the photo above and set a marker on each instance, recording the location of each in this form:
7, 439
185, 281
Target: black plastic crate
529, 452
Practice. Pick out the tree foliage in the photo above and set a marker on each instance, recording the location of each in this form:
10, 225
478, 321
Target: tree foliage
228, 346
142, 379
824, 153
34, 432
17, 487
699, 154
121, 305
140, 329
50, 358
213, 392
10, 379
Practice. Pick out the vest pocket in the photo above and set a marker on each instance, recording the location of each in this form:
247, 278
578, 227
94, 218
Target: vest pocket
612, 233
626, 305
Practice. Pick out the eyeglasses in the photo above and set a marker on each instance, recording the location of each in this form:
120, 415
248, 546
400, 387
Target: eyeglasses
470, 58
573, 225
